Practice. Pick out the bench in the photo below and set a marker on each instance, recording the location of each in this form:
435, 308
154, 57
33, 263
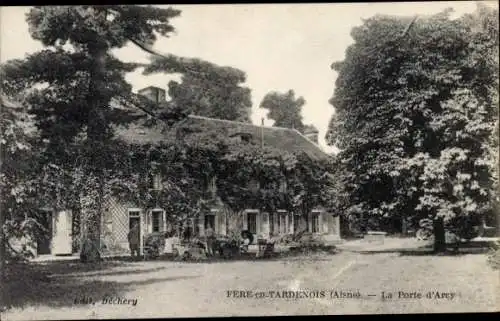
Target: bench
375, 236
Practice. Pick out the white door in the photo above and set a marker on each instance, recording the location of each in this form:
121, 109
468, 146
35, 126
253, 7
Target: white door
61, 237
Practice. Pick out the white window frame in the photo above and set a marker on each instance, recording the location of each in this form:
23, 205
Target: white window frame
162, 227
317, 214
282, 221
257, 220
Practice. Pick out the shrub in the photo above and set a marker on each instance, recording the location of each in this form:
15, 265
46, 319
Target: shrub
494, 256
155, 242
308, 242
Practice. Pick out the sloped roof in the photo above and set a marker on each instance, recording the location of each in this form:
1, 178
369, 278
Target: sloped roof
137, 132
287, 139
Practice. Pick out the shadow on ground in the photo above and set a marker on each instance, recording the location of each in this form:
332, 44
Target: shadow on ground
251, 257
451, 250
57, 284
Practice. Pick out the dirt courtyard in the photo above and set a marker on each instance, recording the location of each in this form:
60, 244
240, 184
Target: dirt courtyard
344, 283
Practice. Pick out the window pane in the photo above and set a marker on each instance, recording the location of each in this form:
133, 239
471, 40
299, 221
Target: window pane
252, 222
296, 223
134, 213
157, 220
315, 223
210, 221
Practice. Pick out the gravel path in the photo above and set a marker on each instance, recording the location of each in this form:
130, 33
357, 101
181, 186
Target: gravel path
176, 289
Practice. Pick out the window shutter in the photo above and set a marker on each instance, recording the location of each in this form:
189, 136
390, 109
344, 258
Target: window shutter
149, 221
202, 225
222, 225
217, 222
245, 221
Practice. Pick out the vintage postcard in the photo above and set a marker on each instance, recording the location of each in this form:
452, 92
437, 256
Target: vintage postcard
171, 161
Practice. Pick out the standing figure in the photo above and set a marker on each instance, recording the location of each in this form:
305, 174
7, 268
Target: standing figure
210, 236
134, 240
187, 234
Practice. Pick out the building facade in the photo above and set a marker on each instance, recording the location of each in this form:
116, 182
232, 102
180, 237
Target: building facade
119, 217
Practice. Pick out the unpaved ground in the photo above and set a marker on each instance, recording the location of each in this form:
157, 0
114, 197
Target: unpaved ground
176, 289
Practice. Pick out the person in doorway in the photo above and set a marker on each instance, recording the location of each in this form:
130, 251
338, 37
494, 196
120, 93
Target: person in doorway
210, 236
133, 240
187, 234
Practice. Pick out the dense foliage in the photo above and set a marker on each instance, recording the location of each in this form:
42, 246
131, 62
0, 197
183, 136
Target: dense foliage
416, 105
248, 175
69, 87
206, 89
284, 109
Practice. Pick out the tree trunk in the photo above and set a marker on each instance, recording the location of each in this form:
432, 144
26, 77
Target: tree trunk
90, 249
439, 235
97, 138
2, 259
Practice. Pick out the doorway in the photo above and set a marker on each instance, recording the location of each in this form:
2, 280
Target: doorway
134, 219
44, 238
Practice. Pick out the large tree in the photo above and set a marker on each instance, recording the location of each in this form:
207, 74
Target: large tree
415, 111
70, 89
206, 89
285, 109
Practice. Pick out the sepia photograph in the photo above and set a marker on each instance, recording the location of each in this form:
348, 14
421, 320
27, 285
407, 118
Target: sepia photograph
233, 160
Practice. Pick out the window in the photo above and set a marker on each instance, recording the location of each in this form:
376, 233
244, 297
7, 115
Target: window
315, 222
254, 185
210, 221
283, 186
154, 181
296, 223
212, 187
252, 222
281, 220
271, 222
284, 227
157, 220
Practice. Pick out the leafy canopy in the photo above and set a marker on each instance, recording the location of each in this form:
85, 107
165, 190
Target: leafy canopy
415, 110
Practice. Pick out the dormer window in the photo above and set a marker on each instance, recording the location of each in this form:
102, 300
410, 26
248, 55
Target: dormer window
241, 137
154, 181
283, 186
212, 187
254, 185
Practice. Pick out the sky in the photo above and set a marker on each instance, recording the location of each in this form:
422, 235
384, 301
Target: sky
278, 46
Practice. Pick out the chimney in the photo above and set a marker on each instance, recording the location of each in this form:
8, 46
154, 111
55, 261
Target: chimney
155, 94
311, 133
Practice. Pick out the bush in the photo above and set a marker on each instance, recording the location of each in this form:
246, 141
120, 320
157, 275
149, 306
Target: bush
494, 256
155, 243
308, 242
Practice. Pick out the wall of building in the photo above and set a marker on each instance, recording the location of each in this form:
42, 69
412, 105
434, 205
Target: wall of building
115, 226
